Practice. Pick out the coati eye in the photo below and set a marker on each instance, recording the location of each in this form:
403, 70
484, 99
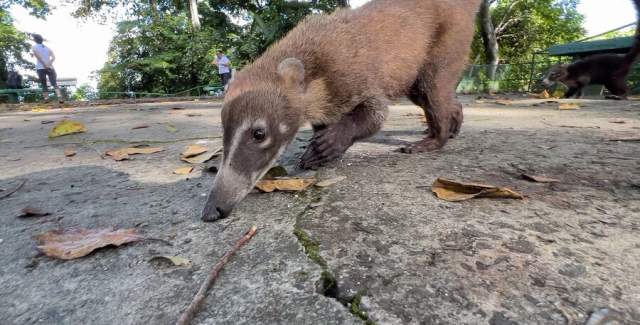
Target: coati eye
259, 135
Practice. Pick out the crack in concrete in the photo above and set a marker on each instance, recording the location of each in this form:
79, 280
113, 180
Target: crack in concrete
327, 285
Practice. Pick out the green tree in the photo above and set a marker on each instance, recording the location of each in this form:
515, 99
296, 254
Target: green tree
523, 27
511, 31
158, 49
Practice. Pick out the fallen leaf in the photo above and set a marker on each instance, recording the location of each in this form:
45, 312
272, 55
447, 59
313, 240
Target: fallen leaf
47, 122
193, 150
124, 153
504, 102
177, 108
69, 151
199, 159
183, 170
285, 184
539, 179
175, 260
79, 242
544, 95
141, 126
618, 121
454, 191
171, 128
275, 172
331, 181
39, 108
32, 212
66, 127
569, 106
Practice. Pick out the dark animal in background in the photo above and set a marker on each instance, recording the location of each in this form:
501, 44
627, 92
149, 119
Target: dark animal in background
338, 72
609, 70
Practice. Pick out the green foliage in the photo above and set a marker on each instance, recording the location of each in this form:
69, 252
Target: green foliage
528, 26
156, 49
84, 92
523, 28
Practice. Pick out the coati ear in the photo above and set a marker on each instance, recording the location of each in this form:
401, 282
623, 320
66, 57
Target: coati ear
291, 71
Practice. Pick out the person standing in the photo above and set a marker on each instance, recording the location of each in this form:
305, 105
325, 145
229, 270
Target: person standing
224, 67
44, 68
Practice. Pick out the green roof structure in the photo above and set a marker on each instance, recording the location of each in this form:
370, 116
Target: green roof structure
613, 45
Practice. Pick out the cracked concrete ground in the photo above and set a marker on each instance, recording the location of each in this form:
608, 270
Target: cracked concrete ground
398, 254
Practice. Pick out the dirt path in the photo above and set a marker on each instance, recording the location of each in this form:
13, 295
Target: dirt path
396, 254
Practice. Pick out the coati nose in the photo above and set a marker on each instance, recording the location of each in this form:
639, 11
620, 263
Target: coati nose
213, 213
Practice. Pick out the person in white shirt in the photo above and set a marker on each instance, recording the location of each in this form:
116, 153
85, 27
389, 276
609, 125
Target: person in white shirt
224, 67
44, 68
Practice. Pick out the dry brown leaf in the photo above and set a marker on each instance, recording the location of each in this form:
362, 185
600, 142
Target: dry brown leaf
183, 170
568, 106
79, 242
124, 153
285, 184
544, 95
193, 150
331, 181
539, 179
202, 158
454, 191
28, 212
505, 102
69, 151
141, 126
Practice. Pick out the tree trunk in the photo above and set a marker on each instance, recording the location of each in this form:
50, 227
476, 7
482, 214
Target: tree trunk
489, 39
153, 4
195, 18
342, 3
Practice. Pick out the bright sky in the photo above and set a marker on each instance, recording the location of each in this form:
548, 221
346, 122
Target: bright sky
81, 48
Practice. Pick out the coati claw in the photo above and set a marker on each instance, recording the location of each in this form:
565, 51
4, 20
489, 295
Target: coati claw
426, 145
326, 145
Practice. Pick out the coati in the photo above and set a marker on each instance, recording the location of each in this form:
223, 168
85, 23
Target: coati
609, 70
338, 73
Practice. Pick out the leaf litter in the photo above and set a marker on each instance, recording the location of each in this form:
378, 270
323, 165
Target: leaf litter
455, 191
125, 153
66, 127
78, 242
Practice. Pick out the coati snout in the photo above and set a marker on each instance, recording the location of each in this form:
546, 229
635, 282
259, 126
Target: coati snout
258, 125
556, 74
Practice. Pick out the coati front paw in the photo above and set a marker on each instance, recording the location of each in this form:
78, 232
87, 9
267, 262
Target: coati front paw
327, 144
428, 144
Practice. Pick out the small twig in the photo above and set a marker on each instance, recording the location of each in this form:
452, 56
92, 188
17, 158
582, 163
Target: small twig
626, 140
15, 189
190, 312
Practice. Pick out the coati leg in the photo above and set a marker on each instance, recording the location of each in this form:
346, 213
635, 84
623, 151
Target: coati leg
419, 97
434, 91
618, 89
331, 141
577, 91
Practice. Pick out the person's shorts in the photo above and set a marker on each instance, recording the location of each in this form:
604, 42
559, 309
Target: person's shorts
225, 78
42, 78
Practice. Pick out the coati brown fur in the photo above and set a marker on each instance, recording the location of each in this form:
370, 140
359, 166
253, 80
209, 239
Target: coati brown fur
609, 70
338, 73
